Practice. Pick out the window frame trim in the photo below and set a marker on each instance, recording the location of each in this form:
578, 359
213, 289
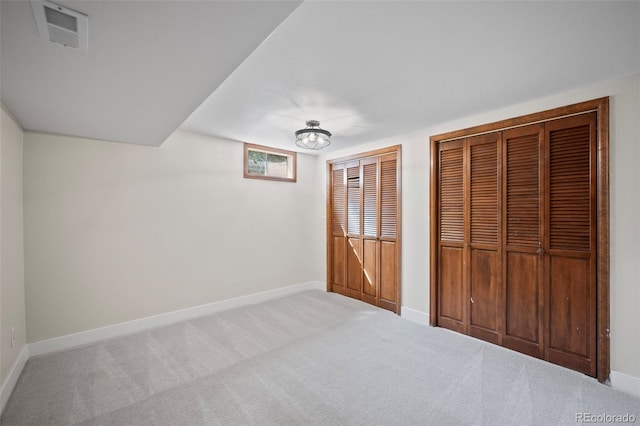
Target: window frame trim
270, 150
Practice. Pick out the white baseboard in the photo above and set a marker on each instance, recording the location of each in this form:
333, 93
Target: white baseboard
12, 378
625, 383
130, 327
414, 315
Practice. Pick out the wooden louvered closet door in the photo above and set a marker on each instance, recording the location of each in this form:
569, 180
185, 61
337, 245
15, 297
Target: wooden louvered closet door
469, 193
452, 289
483, 237
570, 242
363, 253
388, 243
338, 229
354, 227
370, 230
523, 229
516, 260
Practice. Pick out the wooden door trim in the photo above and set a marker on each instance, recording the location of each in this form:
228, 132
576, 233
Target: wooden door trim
398, 150
603, 359
434, 231
394, 149
525, 120
601, 107
360, 156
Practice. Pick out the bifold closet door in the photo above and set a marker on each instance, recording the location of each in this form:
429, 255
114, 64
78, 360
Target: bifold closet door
520, 236
523, 228
452, 288
388, 245
370, 230
469, 237
483, 237
338, 234
570, 243
354, 229
364, 251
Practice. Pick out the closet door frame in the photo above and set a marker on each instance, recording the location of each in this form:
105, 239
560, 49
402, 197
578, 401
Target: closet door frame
395, 149
601, 107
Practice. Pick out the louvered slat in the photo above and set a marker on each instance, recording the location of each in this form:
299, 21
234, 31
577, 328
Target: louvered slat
353, 200
484, 193
388, 198
569, 200
451, 195
523, 190
337, 202
370, 217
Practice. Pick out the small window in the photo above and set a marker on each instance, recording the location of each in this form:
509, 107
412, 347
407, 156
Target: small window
263, 162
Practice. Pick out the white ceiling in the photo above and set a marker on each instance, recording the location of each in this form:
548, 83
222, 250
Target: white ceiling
150, 64
365, 70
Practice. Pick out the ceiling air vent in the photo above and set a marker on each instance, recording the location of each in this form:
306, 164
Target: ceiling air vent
61, 25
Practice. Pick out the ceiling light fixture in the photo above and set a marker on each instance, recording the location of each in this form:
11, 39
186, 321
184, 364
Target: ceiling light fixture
312, 136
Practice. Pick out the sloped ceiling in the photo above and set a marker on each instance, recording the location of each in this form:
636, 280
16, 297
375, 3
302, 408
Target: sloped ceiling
150, 64
256, 72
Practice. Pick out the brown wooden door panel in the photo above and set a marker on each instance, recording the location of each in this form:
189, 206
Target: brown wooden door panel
482, 236
354, 199
389, 228
571, 242
566, 359
523, 186
370, 219
388, 275
338, 265
569, 322
523, 230
484, 189
370, 197
389, 206
451, 289
571, 205
369, 279
452, 292
483, 314
354, 268
522, 292
388, 271
451, 209
338, 211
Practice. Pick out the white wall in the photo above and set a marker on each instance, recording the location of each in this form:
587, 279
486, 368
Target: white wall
625, 206
12, 296
117, 232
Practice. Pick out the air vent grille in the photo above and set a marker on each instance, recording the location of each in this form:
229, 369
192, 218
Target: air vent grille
61, 25
60, 19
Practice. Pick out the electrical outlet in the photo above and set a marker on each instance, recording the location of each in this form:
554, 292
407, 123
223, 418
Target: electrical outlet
13, 336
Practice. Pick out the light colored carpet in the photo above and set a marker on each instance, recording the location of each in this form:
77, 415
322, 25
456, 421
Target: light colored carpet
309, 358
